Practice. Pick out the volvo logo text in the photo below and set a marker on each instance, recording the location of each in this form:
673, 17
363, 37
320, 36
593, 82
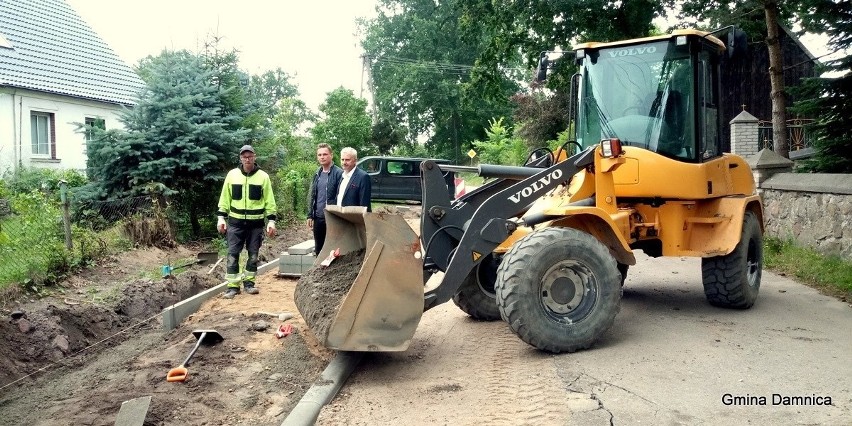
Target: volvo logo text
633, 51
542, 182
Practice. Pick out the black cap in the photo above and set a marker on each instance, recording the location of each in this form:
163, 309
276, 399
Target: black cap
246, 148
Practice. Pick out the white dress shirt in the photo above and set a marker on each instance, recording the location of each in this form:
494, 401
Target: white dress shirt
343, 184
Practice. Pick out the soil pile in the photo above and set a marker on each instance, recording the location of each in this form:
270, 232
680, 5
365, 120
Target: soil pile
74, 357
50, 330
252, 377
321, 290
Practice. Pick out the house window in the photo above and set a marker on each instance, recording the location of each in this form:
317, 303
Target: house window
93, 123
43, 135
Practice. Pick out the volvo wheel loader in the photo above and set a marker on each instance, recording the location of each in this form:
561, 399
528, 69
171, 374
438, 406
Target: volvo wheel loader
546, 246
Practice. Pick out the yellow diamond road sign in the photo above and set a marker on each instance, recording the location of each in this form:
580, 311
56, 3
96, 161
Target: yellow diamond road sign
471, 153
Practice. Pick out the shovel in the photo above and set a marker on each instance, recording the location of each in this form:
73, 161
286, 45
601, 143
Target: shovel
203, 258
208, 337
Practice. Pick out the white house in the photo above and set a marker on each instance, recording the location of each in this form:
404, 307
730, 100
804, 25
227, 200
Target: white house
55, 71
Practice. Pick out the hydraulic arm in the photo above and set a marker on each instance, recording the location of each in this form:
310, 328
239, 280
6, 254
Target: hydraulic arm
459, 234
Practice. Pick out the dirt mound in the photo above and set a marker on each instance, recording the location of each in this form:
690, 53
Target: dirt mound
48, 333
321, 290
74, 357
49, 330
252, 377
143, 298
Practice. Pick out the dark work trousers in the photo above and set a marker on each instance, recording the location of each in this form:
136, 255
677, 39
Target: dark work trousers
319, 235
248, 235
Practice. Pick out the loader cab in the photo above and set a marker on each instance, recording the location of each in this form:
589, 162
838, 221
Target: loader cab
657, 93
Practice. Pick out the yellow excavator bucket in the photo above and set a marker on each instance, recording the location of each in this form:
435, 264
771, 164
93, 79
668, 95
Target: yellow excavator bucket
382, 308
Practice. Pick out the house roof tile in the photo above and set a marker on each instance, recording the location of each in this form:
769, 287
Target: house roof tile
54, 50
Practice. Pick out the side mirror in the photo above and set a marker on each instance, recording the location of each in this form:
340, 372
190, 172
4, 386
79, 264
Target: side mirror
541, 69
737, 43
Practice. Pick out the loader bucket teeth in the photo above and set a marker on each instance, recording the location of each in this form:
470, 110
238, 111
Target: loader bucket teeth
382, 308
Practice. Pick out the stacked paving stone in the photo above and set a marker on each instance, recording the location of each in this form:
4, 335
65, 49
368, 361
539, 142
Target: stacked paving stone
297, 259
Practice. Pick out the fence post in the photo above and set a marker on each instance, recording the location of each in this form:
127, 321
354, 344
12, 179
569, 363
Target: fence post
66, 215
744, 138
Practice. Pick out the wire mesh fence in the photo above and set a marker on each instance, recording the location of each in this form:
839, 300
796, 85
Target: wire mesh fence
43, 235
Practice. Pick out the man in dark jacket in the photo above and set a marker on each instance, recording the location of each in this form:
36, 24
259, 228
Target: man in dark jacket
355, 185
323, 193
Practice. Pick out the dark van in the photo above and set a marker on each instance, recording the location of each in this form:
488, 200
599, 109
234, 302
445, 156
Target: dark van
398, 178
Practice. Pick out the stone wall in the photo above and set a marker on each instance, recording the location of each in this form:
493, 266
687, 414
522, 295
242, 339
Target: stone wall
813, 209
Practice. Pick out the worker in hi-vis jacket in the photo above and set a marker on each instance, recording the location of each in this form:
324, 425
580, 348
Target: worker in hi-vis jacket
245, 206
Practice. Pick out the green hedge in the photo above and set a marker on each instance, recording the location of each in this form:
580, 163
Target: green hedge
292, 186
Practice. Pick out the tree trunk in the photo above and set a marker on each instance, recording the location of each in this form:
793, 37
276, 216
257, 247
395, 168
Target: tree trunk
776, 80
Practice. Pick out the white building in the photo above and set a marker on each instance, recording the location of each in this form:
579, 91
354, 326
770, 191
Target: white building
55, 72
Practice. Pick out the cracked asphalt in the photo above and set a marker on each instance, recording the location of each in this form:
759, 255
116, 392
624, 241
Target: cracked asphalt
670, 358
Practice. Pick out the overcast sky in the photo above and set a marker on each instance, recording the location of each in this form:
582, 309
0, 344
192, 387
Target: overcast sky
314, 40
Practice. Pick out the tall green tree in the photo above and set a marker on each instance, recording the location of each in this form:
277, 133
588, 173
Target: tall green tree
245, 102
500, 147
759, 19
289, 125
518, 32
253, 100
420, 64
829, 97
345, 122
285, 117
386, 136
178, 139
541, 118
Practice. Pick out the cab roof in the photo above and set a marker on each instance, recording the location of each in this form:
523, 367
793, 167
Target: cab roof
675, 33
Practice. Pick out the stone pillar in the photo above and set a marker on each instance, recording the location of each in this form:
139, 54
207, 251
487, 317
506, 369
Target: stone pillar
744, 135
766, 164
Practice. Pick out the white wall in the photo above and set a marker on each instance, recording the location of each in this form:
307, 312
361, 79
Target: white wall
15, 136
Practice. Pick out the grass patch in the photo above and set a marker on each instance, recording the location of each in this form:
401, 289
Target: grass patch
36, 256
831, 275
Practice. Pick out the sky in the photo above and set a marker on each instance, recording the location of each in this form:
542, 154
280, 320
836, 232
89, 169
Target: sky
313, 40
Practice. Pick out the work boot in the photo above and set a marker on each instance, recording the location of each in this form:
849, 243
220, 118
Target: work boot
231, 292
249, 288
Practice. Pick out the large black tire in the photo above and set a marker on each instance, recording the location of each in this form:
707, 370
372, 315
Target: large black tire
476, 294
733, 280
559, 289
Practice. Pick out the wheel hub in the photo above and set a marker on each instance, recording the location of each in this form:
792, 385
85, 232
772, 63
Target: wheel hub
568, 291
